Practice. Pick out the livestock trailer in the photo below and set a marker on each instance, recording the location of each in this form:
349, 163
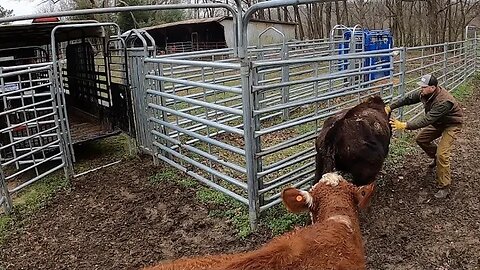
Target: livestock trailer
95, 105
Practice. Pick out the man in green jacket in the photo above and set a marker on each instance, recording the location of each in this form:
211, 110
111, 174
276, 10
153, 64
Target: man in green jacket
443, 119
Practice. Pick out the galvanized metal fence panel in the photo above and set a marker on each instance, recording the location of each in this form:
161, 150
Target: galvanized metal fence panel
195, 105
285, 153
452, 63
32, 145
194, 108
136, 55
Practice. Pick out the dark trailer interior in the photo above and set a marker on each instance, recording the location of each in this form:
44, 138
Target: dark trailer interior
94, 110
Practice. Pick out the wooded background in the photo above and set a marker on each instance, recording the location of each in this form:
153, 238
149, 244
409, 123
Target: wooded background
413, 22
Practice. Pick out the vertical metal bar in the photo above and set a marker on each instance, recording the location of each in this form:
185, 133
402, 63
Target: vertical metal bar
163, 114
465, 59
445, 60
108, 78
144, 101
136, 98
391, 75
257, 140
332, 51
250, 146
57, 122
61, 107
403, 58
177, 120
238, 29
207, 111
147, 125
422, 64
7, 119
315, 90
476, 51
8, 204
285, 78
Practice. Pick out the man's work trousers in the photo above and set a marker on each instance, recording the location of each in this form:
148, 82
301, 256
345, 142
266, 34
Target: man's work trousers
442, 152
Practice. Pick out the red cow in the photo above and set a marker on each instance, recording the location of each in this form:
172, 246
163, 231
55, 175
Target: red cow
332, 241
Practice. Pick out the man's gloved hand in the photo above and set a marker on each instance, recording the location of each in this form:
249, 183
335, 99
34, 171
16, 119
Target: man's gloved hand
397, 125
388, 109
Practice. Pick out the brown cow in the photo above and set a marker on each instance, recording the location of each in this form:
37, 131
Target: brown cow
354, 141
333, 241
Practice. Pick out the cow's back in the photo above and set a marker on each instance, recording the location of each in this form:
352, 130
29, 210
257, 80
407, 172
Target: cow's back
355, 141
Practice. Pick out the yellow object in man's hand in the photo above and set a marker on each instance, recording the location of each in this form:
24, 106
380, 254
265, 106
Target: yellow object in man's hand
397, 125
388, 109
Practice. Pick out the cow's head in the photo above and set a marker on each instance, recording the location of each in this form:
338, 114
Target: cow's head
331, 191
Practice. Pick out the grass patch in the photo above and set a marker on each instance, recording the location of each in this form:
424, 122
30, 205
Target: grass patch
115, 146
170, 174
40, 193
465, 90
6, 223
30, 200
234, 211
400, 146
279, 220
93, 154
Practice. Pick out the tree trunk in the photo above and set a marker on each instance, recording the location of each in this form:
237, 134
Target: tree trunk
279, 14
450, 24
328, 17
261, 14
310, 21
444, 18
285, 14
320, 21
346, 17
301, 33
433, 25
337, 13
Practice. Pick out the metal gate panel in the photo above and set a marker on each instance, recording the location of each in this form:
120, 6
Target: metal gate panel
31, 142
139, 46
122, 102
195, 120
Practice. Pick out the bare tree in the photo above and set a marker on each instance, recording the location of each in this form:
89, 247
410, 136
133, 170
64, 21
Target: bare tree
5, 12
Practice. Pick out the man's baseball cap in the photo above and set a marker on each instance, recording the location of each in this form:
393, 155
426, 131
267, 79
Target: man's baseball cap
428, 80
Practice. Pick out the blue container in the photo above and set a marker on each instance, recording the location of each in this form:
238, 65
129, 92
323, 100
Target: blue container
373, 40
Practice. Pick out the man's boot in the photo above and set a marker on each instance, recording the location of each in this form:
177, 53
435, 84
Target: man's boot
442, 193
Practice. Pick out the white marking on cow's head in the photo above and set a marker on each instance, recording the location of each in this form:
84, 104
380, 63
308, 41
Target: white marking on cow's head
331, 179
308, 198
342, 219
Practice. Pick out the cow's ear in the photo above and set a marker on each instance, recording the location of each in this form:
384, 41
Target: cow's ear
295, 200
364, 194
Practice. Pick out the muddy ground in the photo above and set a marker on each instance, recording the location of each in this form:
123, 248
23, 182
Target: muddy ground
117, 219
